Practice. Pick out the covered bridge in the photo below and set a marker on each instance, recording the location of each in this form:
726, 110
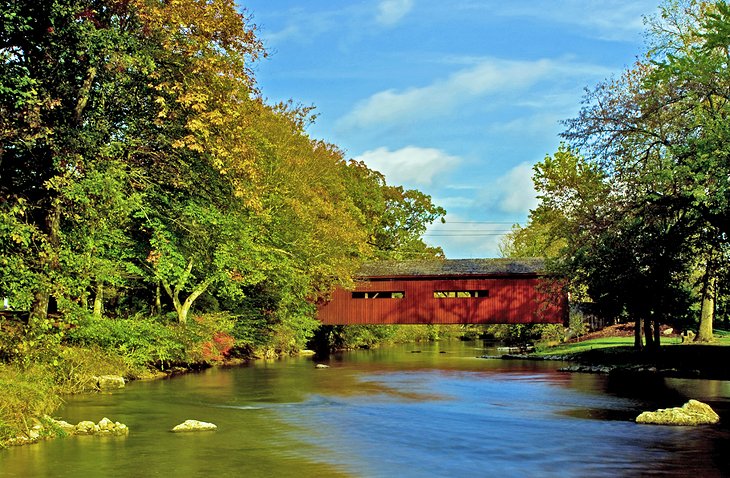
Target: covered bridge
460, 291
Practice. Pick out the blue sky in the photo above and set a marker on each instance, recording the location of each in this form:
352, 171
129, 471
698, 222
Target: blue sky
457, 99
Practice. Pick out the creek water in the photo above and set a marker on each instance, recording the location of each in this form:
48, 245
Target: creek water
415, 410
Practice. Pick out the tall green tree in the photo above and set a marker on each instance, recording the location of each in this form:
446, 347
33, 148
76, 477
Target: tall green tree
61, 66
660, 133
394, 217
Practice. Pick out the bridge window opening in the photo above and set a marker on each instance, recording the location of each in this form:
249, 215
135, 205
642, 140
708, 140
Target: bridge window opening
399, 294
459, 294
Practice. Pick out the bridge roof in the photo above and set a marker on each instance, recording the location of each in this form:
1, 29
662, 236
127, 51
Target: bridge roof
452, 268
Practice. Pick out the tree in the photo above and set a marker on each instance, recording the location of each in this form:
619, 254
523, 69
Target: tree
395, 218
61, 62
660, 133
151, 86
137, 155
620, 254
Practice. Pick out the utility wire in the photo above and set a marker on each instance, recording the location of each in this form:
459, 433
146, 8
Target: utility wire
467, 234
478, 222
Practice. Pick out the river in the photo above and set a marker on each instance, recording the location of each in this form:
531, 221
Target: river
405, 411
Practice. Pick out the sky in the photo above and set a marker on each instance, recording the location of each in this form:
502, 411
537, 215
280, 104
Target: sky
457, 99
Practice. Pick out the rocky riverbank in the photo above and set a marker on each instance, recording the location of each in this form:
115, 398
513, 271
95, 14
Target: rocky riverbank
679, 361
46, 427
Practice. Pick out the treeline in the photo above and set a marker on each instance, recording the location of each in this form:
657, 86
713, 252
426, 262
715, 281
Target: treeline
143, 176
635, 205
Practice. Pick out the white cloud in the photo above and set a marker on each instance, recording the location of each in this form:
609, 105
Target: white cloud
511, 193
516, 191
614, 20
607, 20
455, 201
491, 76
307, 25
412, 165
391, 12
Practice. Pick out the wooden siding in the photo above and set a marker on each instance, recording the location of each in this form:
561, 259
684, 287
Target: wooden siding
518, 299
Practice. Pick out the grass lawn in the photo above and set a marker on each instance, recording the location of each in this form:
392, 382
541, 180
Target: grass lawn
692, 360
722, 337
577, 347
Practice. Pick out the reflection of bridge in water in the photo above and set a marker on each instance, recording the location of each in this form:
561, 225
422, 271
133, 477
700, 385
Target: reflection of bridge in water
461, 291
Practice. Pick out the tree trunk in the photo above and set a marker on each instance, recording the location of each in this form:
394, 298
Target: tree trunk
42, 297
98, 301
648, 334
39, 309
637, 335
182, 308
158, 299
707, 314
84, 92
174, 295
657, 334
183, 312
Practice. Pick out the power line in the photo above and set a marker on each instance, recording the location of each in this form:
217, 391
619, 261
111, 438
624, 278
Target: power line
470, 231
478, 222
467, 234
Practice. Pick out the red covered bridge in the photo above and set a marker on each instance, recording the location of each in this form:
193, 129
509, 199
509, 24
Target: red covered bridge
461, 291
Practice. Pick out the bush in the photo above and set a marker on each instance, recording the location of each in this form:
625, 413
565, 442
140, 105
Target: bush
78, 368
551, 333
368, 336
577, 325
206, 338
524, 333
140, 341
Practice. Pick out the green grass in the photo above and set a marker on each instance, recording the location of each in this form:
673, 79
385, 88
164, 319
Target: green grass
577, 347
602, 343
722, 337
25, 394
691, 360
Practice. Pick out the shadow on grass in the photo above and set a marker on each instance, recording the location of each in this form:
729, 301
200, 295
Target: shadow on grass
691, 361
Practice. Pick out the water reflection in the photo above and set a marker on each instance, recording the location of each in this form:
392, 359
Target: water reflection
389, 412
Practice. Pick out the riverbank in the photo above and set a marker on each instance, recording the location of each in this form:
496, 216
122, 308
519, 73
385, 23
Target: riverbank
42, 372
36, 389
392, 412
615, 354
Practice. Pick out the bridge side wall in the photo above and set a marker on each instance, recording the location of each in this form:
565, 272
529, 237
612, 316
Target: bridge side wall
510, 300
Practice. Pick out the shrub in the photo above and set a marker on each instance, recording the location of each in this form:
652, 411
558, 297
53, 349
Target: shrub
577, 325
206, 338
78, 368
140, 341
551, 333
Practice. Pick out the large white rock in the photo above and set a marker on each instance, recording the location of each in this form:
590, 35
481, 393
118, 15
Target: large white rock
691, 413
194, 426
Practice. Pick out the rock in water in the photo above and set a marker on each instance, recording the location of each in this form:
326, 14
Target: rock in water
108, 427
109, 382
691, 413
86, 427
321, 365
194, 426
65, 426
